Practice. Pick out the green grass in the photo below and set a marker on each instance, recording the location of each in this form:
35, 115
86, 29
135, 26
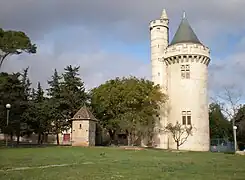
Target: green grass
114, 163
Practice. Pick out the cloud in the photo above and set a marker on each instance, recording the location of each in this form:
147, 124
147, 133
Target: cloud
88, 33
95, 68
39, 17
228, 72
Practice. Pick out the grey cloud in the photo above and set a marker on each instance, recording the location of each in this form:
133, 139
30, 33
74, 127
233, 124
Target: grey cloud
95, 68
122, 20
130, 18
229, 72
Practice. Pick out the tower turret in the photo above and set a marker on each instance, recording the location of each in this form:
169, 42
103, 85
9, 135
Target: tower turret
159, 32
159, 43
187, 62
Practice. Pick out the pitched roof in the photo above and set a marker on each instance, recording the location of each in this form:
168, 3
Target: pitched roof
185, 34
84, 114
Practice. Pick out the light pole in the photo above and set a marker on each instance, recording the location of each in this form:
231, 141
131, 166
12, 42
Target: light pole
235, 142
8, 106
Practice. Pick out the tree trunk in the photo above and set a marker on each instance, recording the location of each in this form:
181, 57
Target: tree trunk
18, 138
129, 139
11, 137
39, 138
1, 62
57, 139
112, 136
177, 143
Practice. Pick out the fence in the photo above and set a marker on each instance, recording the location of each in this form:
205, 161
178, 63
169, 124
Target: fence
221, 145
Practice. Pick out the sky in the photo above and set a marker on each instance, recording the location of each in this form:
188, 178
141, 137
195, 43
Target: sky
110, 38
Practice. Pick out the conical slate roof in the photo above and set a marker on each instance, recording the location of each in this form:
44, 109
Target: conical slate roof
185, 34
84, 114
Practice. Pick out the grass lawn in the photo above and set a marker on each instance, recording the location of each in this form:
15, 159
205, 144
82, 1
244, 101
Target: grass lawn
78, 163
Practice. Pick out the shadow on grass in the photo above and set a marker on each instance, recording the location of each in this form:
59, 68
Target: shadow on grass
27, 145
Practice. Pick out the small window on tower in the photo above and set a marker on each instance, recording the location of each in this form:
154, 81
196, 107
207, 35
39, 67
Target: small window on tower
158, 29
183, 117
186, 117
80, 126
185, 71
188, 120
158, 74
187, 74
182, 75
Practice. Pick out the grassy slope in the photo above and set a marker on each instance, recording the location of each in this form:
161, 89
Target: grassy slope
113, 163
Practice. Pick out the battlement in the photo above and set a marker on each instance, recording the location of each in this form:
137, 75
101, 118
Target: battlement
159, 22
186, 49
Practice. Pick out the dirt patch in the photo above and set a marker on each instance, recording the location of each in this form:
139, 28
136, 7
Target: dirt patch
132, 148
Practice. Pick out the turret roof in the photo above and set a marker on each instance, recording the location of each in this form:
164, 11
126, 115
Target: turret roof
84, 114
185, 33
164, 14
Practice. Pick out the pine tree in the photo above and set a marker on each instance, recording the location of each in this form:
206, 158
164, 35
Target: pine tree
40, 112
56, 108
73, 90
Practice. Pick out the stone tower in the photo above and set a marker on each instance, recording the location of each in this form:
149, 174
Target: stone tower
184, 69
159, 33
83, 128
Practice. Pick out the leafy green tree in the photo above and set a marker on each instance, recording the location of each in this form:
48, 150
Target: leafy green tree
59, 122
240, 123
26, 83
72, 91
39, 113
127, 104
220, 127
13, 43
12, 92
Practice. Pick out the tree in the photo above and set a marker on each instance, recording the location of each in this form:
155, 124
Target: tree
240, 123
59, 122
39, 112
179, 133
128, 105
72, 91
26, 83
220, 127
14, 43
12, 92
229, 102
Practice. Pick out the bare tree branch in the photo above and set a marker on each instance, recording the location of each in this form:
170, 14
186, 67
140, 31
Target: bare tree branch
229, 103
180, 133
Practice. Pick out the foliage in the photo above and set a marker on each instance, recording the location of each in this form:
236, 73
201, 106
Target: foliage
240, 123
220, 127
179, 132
13, 43
128, 105
38, 113
229, 102
11, 92
58, 120
72, 91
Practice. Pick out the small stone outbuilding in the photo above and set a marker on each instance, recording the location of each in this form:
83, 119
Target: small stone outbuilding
83, 128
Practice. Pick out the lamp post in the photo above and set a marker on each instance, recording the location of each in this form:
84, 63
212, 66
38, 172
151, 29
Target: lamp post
235, 141
8, 106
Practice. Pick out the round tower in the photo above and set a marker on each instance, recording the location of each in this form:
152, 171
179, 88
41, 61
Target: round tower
159, 43
187, 62
159, 33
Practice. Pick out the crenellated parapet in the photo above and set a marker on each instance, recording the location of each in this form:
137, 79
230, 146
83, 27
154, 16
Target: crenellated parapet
159, 22
186, 53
